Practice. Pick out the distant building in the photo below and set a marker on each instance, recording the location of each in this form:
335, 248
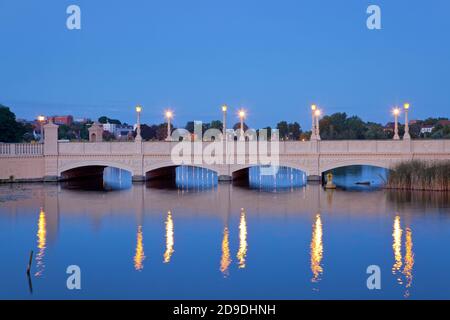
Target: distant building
443, 123
61, 120
81, 120
110, 127
123, 132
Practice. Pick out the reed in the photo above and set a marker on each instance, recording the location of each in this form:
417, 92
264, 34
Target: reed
420, 175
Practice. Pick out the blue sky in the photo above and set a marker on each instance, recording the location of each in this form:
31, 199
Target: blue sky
272, 57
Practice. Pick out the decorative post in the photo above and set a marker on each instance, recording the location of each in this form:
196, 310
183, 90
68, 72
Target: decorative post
224, 123
41, 121
313, 125
317, 113
406, 136
138, 124
396, 113
169, 116
51, 151
242, 117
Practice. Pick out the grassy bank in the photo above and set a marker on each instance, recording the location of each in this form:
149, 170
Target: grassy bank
419, 175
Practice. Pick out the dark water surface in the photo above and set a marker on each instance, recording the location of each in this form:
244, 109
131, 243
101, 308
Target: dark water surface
220, 241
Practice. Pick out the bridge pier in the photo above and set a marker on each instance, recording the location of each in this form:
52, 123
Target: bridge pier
138, 178
314, 178
225, 178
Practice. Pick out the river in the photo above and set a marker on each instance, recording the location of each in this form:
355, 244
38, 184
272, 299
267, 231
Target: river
271, 238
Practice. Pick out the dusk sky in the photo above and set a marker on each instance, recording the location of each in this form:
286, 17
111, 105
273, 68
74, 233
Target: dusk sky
273, 58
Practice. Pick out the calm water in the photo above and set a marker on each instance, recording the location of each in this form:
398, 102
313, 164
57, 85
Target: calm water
214, 241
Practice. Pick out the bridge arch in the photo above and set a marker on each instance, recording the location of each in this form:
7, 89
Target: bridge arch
167, 168
241, 171
93, 163
355, 162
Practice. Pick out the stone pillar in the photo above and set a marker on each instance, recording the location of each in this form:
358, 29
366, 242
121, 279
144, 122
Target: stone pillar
138, 172
95, 133
314, 174
51, 151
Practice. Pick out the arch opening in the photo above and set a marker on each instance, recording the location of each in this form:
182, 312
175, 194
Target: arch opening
357, 177
182, 177
270, 178
96, 177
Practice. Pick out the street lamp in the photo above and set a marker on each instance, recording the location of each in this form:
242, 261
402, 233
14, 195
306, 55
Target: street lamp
224, 123
396, 113
169, 116
313, 125
41, 120
406, 136
138, 123
317, 113
242, 117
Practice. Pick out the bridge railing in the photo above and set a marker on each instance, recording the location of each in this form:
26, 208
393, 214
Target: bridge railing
21, 149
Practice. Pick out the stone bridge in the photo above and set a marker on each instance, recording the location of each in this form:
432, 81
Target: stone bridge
54, 160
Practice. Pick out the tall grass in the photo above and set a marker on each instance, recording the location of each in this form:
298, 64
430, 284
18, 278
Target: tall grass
420, 175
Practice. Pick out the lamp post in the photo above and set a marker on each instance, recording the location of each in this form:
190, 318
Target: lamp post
313, 124
396, 112
317, 114
169, 116
138, 123
406, 136
41, 120
224, 123
242, 117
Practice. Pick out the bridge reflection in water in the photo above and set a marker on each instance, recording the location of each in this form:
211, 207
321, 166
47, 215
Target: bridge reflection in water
194, 178
308, 226
275, 178
317, 250
404, 277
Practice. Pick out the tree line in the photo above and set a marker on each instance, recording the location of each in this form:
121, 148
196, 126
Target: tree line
337, 126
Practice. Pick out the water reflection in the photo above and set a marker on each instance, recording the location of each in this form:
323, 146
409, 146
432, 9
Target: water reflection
409, 261
266, 178
225, 261
195, 178
359, 177
41, 243
116, 179
242, 253
139, 255
363, 216
316, 250
405, 276
169, 238
397, 247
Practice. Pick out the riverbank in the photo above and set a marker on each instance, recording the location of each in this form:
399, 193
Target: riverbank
419, 175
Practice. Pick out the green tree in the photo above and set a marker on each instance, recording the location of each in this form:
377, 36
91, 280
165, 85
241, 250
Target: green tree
375, 131
216, 124
283, 130
10, 129
294, 131
105, 119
